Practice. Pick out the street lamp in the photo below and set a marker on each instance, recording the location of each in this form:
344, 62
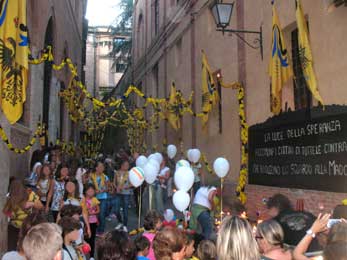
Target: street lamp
222, 13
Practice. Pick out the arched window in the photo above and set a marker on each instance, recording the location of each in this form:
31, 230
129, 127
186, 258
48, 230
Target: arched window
140, 42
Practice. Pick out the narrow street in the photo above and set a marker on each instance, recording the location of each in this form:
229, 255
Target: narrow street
225, 119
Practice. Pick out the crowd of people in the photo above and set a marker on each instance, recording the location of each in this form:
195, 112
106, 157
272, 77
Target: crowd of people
60, 211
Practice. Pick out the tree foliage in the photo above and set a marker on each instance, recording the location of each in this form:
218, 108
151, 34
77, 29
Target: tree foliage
121, 51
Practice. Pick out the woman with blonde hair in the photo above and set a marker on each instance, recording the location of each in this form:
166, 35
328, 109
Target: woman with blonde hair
236, 240
270, 240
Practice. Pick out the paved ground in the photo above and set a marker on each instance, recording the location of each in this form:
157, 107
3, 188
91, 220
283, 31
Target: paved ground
133, 217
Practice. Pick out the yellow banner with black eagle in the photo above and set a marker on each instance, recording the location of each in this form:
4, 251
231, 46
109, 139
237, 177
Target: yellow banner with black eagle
306, 58
13, 58
173, 113
280, 70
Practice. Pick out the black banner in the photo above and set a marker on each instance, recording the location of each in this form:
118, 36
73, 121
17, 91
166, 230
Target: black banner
303, 149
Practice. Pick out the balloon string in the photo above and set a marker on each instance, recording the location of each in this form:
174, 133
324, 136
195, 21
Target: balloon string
150, 196
191, 199
221, 199
140, 207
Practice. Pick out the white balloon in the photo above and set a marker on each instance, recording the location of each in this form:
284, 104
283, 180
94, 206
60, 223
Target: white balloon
159, 157
221, 166
169, 215
171, 151
189, 155
152, 156
141, 161
181, 200
151, 173
155, 163
136, 176
195, 155
184, 178
182, 163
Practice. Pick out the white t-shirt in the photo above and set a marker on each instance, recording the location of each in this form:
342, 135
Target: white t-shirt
201, 196
79, 174
70, 253
13, 255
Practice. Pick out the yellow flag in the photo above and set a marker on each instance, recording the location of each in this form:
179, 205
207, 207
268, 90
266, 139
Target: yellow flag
13, 58
280, 70
306, 58
210, 95
173, 109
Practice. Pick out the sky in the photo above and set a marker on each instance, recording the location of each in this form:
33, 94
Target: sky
102, 12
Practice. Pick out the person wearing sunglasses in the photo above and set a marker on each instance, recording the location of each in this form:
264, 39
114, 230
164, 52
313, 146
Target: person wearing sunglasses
269, 237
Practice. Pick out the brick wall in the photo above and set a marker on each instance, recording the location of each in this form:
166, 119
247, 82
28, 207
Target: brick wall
312, 199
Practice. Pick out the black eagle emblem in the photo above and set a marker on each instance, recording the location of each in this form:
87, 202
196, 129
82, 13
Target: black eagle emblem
12, 73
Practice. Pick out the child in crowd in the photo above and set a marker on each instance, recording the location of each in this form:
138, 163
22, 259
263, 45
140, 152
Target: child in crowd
169, 218
206, 251
71, 197
164, 176
169, 243
116, 245
142, 247
70, 227
152, 223
56, 190
43, 183
189, 247
43, 241
123, 190
92, 205
31, 181
74, 212
102, 185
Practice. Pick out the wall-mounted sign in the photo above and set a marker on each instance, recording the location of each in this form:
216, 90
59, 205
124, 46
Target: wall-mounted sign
302, 149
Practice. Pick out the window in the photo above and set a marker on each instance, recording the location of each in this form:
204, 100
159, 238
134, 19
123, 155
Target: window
302, 95
156, 17
140, 36
120, 67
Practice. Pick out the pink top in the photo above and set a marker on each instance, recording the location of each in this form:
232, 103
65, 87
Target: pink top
91, 205
150, 237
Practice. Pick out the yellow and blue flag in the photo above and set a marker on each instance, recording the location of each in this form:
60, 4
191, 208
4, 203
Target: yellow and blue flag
280, 70
14, 52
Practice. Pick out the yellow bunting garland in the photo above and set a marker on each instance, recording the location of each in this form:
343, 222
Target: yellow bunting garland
4, 138
243, 177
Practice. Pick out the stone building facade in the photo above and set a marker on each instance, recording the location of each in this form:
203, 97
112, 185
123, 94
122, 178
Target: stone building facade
168, 38
62, 25
102, 71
